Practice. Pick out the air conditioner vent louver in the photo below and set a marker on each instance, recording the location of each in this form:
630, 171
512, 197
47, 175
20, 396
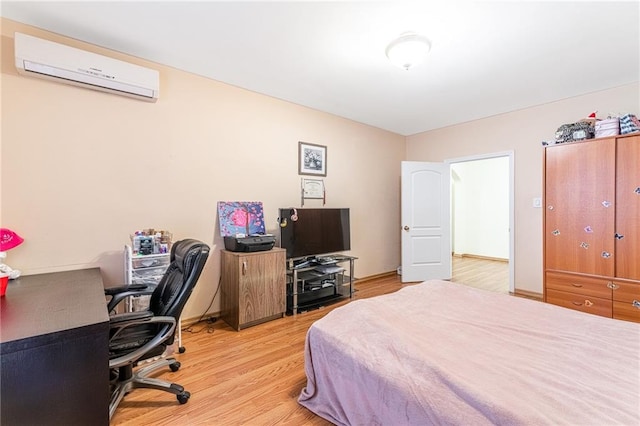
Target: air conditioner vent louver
65, 64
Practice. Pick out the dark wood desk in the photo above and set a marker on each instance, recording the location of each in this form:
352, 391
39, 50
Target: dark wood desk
54, 349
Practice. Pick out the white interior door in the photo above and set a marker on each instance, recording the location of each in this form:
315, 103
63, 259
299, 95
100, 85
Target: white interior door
426, 221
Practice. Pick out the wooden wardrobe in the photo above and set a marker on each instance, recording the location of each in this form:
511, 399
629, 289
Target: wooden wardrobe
592, 226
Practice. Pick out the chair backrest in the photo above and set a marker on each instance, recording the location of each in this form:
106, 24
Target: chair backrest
187, 261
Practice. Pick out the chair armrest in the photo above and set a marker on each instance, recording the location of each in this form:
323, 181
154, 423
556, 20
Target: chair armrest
129, 316
118, 294
110, 291
165, 333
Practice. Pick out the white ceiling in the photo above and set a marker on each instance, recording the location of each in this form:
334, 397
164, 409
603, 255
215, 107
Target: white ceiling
486, 58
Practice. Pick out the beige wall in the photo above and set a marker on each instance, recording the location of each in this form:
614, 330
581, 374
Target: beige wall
521, 131
82, 169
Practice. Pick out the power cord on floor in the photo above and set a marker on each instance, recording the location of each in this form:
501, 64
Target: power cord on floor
208, 326
209, 321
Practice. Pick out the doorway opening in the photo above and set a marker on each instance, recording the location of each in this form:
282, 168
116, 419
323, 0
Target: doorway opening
482, 215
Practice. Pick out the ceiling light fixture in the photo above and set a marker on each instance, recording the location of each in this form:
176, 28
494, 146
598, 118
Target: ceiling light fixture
408, 50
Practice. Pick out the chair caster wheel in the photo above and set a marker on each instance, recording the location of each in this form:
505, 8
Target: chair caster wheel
175, 366
183, 397
182, 349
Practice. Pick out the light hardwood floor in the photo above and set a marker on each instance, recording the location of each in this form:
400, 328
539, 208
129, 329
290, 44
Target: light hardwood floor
490, 275
253, 377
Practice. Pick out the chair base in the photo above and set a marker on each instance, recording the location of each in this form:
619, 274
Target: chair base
127, 380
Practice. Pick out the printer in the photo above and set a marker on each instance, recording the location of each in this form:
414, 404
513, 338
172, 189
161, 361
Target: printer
249, 244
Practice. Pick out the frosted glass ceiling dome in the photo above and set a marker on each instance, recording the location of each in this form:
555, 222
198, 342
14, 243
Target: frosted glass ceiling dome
408, 50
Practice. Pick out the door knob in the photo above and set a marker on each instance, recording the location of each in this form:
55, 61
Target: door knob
406, 228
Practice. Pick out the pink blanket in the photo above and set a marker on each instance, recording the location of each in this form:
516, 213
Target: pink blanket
444, 353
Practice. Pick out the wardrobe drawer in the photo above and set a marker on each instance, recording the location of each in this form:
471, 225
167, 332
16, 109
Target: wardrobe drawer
581, 302
588, 286
628, 311
626, 300
626, 291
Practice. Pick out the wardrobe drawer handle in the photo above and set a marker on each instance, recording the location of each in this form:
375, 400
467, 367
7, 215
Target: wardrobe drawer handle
576, 285
588, 303
636, 304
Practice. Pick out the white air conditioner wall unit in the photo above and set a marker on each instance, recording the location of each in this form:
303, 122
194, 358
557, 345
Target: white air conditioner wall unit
65, 64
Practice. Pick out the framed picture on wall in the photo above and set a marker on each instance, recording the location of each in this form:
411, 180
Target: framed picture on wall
313, 188
312, 159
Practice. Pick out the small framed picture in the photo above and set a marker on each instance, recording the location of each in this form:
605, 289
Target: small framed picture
312, 159
313, 188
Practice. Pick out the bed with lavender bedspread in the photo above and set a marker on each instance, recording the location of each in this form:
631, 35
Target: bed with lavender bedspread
444, 353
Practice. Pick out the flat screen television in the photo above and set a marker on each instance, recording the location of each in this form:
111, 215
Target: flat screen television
315, 232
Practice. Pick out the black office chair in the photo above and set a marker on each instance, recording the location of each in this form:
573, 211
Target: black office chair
137, 336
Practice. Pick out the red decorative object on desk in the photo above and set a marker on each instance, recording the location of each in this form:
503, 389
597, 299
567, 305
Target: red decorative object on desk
8, 241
